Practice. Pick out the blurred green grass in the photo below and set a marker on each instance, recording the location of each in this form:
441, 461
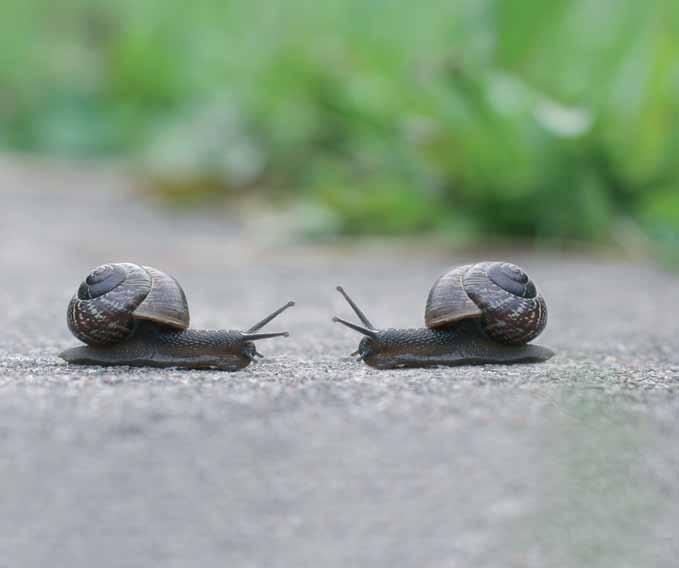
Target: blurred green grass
550, 120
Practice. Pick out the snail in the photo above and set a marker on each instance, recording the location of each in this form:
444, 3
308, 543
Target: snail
137, 315
475, 314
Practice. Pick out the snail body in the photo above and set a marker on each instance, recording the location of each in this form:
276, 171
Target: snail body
138, 316
484, 313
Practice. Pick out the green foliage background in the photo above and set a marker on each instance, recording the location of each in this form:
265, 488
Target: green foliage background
550, 119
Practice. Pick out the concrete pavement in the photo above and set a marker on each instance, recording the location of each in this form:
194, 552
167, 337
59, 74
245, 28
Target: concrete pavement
308, 457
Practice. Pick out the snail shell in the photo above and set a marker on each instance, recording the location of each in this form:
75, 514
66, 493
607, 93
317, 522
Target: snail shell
506, 301
114, 296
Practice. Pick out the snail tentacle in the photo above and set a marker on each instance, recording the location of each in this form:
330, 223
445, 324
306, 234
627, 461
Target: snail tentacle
361, 315
270, 317
364, 330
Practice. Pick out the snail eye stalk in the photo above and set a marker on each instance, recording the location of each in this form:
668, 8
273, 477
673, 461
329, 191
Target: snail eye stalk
257, 336
364, 319
270, 317
364, 330
250, 335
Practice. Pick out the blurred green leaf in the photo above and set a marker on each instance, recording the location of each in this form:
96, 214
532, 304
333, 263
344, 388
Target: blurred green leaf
525, 119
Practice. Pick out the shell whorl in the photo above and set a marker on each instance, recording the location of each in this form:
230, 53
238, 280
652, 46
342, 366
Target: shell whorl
500, 294
104, 309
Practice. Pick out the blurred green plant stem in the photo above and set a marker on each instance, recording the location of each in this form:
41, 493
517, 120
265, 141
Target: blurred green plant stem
519, 118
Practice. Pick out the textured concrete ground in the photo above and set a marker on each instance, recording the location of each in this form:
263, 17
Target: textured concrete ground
309, 458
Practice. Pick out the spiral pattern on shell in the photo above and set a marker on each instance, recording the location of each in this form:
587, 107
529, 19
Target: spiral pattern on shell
104, 309
499, 293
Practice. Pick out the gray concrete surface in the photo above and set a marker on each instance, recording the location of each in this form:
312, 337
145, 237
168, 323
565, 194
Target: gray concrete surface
309, 458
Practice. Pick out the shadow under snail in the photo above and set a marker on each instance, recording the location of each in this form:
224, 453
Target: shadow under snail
138, 316
484, 313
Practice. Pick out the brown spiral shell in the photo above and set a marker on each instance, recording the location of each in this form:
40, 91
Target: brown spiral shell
113, 296
500, 294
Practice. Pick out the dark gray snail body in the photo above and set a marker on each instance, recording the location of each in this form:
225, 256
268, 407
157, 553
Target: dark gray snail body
484, 313
138, 316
